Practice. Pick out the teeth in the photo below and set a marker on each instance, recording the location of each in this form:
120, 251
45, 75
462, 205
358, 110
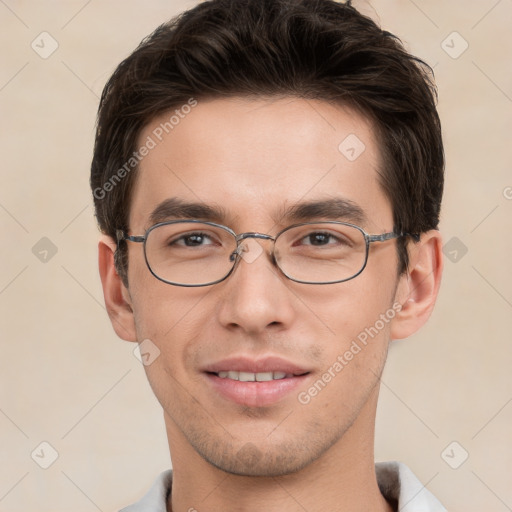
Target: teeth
247, 377
264, 376
252, 377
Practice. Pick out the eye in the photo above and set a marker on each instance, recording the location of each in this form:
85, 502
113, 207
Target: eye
193, 240
323, 238
317, 239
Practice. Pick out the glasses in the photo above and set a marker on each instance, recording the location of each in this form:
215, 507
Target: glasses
198, 253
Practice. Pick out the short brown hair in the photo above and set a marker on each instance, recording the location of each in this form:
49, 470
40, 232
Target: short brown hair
313, 49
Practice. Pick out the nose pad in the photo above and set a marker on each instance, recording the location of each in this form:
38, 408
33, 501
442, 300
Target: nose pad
250, 250
235, 254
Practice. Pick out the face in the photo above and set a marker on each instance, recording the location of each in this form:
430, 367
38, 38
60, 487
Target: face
253, 161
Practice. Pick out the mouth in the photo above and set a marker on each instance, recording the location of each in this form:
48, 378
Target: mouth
254, 383
255, 377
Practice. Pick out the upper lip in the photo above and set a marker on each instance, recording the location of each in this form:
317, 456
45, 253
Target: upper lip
260, 365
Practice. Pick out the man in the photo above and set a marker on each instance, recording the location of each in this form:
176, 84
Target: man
268, 177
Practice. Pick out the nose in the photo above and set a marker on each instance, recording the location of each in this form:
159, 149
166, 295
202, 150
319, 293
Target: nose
256, 297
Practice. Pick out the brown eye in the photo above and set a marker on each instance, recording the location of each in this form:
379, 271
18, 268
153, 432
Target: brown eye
193, 240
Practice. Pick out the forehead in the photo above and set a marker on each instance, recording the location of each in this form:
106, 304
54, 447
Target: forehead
253, 159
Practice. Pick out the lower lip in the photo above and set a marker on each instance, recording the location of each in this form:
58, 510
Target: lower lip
255, 394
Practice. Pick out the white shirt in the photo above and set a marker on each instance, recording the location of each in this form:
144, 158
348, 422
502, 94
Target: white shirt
396, 482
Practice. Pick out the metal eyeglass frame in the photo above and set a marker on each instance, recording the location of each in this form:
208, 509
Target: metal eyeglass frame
235, 256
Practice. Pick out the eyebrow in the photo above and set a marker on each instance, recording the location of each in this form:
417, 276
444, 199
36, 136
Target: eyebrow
327, 209
175, 208
330, 209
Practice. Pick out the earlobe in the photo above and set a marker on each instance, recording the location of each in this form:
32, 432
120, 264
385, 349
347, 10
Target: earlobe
115, 293
418, 287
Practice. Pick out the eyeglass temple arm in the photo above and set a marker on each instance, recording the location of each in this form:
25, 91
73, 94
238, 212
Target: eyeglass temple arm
390, 236
121, 235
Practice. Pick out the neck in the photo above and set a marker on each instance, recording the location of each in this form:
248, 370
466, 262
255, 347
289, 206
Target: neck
342, 479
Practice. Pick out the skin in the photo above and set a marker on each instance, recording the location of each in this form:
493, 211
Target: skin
253, 157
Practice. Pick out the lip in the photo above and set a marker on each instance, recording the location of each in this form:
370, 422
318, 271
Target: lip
255, 394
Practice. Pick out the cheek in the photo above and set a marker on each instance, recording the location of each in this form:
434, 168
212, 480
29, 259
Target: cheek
175, 321
354, 353
358, 316
167, 318
174, 318
158, 307
347, 309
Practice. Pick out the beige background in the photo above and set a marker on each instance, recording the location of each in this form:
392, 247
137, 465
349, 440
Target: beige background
66, 378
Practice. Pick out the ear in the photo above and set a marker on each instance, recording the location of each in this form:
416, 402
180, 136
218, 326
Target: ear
117, 296
418, 288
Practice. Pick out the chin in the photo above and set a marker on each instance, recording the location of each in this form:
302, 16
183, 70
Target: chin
268, 465
264, 460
